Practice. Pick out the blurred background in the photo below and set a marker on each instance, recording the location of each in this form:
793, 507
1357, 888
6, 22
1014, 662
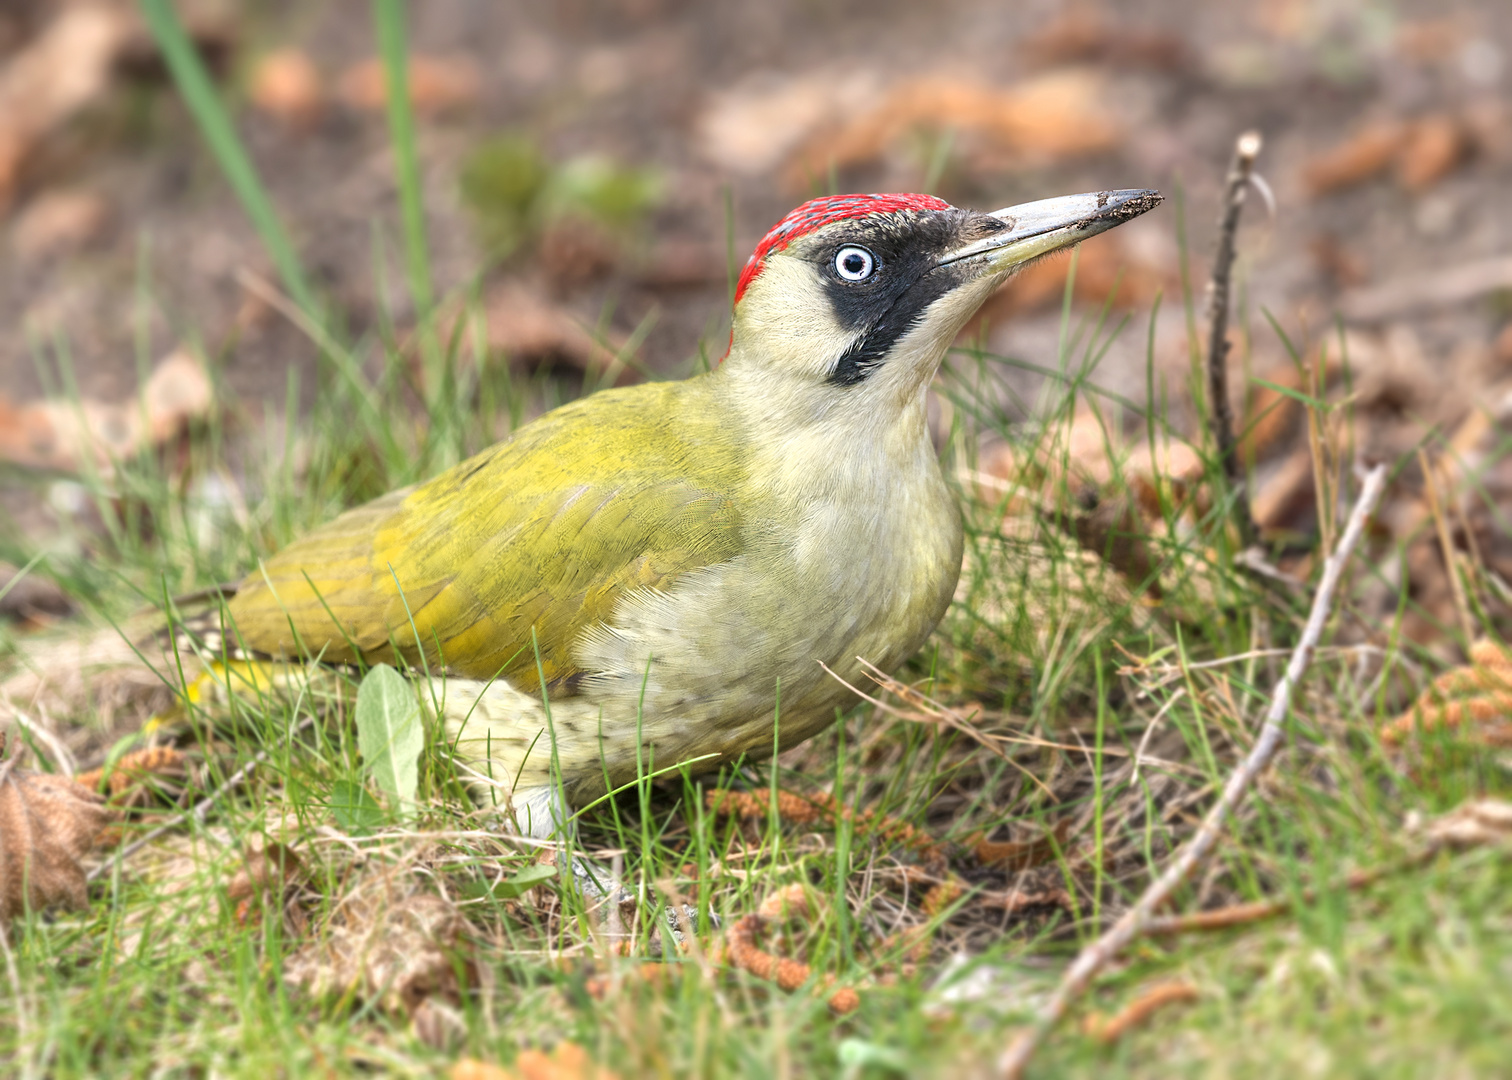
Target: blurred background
593, 172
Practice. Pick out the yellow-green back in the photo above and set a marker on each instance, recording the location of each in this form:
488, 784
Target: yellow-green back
626, 489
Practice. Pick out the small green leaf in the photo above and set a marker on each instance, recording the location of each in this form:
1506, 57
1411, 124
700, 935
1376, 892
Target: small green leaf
354, 809
508, 890
389, 732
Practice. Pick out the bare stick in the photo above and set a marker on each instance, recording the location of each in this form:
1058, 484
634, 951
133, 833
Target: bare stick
1222, 415
1096, 956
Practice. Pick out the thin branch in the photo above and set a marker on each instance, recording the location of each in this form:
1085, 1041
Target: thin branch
1221, 411
1133, 923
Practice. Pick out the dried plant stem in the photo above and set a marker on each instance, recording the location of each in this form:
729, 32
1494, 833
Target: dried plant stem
1255, 911
1096, 956
1446, 547
1220, 410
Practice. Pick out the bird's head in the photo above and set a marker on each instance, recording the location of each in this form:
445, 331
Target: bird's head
857, 297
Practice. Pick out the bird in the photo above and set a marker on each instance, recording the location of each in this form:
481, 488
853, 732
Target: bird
659, 575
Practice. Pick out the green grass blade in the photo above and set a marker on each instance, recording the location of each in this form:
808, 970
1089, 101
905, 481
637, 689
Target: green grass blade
388, 19
215, 124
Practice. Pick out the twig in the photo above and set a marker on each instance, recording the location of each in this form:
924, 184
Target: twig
1446, 548
1225, 918
1108, 1030
1096, 956
1245, 151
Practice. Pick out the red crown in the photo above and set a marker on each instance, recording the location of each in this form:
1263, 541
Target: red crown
817, 213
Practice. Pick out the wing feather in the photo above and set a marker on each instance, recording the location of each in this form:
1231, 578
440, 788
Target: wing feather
627, 489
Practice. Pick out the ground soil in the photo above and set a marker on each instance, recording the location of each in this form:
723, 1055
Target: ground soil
633, 78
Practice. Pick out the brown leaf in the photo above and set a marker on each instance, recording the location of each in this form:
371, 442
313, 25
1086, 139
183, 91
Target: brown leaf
1363, 155
286, 85
1045, 119
47, 824
1502, 348
1472, 824
272, 869
528, 327
1433, 148
1336, 261
59, 222
437, 84
64, 434
1108, 271
1087, 36
1287, 497
66, 67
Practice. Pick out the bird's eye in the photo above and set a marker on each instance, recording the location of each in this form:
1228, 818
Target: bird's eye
855, 263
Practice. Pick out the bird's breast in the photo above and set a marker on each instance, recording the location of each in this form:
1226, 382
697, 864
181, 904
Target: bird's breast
863, 562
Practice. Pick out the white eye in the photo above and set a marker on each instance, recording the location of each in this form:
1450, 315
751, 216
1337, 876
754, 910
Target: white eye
854, 263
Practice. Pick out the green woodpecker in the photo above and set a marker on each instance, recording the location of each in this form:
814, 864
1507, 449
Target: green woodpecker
652, 575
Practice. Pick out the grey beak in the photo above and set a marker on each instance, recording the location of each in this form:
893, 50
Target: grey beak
1038, 228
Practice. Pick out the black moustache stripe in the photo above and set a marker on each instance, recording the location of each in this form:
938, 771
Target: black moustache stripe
869, 350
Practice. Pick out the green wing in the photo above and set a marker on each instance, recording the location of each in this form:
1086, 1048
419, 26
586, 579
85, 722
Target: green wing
625, 489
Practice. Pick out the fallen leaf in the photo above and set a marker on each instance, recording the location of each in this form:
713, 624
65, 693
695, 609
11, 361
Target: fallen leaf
1362, 156
1501, 349
1434, 147
47, 824
1108, 271
1472, 824
760, 121
270, 876
59, 222
1049, 118
1430, 40
1340, 265
528, 327
1287, 498
67, 66
273, 868
1083, 35
437, 84
286, 84
1423, 151
63, 435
